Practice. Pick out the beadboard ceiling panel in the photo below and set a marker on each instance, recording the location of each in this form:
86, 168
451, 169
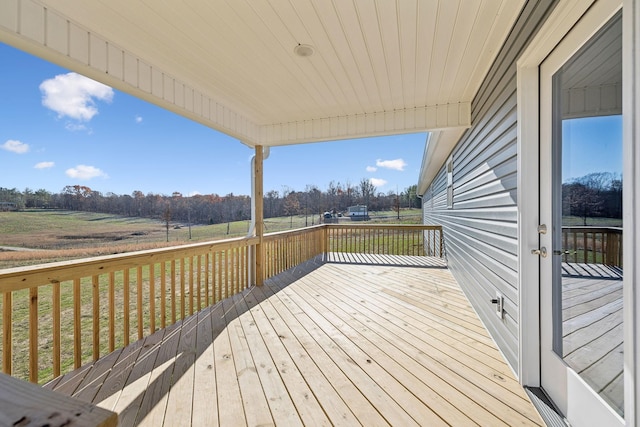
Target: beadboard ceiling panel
378, 67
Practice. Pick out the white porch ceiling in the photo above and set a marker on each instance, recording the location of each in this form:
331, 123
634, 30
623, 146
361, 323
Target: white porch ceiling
379, 67
592, 79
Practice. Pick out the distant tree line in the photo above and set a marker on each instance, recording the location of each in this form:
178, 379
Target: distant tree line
596, 195
213, 208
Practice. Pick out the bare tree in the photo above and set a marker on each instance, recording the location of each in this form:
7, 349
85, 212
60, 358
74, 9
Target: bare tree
272, 199
291, 204
367, 189
166, 217
593, 195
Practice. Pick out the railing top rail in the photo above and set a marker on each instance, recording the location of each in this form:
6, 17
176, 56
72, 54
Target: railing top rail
294, 232
591, 229
304, 230
388, 226
13, 279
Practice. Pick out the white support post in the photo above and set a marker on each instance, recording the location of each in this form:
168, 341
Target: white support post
259, 213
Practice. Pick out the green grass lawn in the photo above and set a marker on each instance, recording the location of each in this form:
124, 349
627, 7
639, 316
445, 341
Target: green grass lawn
591, 222
61, 235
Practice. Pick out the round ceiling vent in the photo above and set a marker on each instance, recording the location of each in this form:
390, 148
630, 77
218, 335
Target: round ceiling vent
303, 50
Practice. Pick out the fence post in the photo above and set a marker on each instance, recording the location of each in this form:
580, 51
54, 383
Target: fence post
325, 242
7, 329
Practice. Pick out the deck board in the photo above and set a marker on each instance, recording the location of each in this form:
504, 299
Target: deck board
380, 387
335, 343
180, 394
115, 381
95, 378
420, 353
230, 406
275, 359
431, 353
278, 397
343, 387
204, 381
325, 384
388, 351
253, 395
146, 397
592, 300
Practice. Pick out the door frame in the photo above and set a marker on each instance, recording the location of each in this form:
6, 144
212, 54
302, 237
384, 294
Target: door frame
558, 26
568, 389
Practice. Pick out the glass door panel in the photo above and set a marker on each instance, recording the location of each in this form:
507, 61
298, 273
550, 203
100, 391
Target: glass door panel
587, 214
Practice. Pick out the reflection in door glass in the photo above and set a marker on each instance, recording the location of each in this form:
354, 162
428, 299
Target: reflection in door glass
587, 214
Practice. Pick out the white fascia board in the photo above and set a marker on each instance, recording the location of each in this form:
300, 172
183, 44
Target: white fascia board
413, 120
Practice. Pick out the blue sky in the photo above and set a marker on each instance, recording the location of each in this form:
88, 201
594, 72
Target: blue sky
592, 144
58, 128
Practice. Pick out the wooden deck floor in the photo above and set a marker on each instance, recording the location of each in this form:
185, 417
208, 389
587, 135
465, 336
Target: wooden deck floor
321, 344
593, 338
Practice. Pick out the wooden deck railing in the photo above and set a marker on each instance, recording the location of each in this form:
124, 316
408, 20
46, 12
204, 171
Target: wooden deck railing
596, 245
287, 249
76, 311
58, 316
420, 240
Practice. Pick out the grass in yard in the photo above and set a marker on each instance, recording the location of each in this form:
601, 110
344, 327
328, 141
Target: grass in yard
52, 235
575, 221
385, 242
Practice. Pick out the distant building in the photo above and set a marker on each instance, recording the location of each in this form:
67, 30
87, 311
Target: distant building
8, 206
358, 213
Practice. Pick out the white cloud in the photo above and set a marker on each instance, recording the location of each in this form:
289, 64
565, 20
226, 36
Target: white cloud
76, 127
15, 146
377, 182
371, 168
194, 193
74, 96
85, 172
138, 119
44, 165
397, 164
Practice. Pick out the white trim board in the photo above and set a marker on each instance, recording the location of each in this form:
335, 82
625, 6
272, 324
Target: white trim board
631, 208
563, 18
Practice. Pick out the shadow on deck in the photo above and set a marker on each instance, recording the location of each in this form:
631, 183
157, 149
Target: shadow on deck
591, 271
388, 260
323, 343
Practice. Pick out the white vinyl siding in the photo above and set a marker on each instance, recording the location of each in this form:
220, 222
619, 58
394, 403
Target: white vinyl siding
480, 221
450, 183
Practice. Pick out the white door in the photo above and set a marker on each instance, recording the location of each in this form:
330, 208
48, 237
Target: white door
581, 209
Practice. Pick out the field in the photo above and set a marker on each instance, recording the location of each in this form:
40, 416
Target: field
39, 236
591, 222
